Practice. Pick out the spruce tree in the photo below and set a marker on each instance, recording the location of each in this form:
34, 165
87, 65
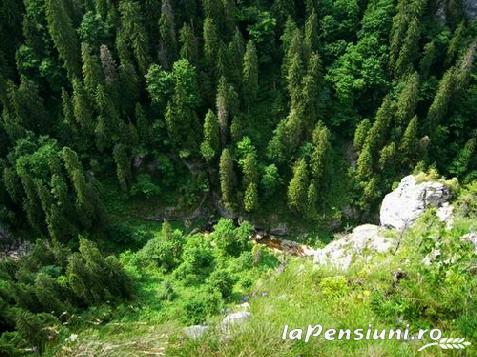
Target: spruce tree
210, 147
251, 198
189, 45
321, 153
298, 187
428, 58
236, 52
310, 42
365, 165
407, 100
133, 27
294, 80
211, 43
360, 134
92, 73
454, 44
226, 171
445, 90
250, 74
168, 51
82, 107
227, 107
64, 36
109, 65
408, 144
122, 165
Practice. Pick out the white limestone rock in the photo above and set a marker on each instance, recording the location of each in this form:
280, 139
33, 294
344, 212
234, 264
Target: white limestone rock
365, 239
410, 199
471, 237
197, 331
236, 318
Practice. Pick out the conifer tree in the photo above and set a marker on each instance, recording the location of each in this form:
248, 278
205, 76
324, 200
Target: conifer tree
189, 45
143, 125
407, 100
250, 74
82, 107
250, 171
380, 129
365, 165
226, 103
312, 199
408, 144
387, 160
11, 182
310, 42
428, 58
122, 165
311, 91
230, 14
210, 147
236, 52
211, 43
360, 134
466, 159
76, 174
130, 86
409, 48
283, 9
64, 36
277, 147
321, 153
251, 198
109, 65
68, 115
454, 44
294, 79
445, 90
226, 171
214, 9
298, 187
133, 27
92, 73
181, 118
167, 30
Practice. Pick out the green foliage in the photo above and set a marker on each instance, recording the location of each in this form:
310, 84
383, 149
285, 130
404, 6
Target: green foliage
232, 240
145, 186
226, 177
165, 251
95, 279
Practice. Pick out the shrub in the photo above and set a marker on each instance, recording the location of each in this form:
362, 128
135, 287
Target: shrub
200, 306
198, 260
230, 240
222, 281
145, 187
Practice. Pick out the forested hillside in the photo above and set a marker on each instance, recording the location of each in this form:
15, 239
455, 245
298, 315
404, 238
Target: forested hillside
300, 110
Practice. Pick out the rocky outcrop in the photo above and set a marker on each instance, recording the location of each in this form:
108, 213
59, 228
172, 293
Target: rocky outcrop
399, 209
195, 332
470, 9
364, 241
403, 206
236, 318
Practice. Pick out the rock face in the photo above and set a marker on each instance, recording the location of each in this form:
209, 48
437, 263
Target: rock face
470, 9
236, 318
341, 252
196, 332
404, 205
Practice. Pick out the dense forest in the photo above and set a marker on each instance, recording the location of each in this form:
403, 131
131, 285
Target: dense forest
309, 110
